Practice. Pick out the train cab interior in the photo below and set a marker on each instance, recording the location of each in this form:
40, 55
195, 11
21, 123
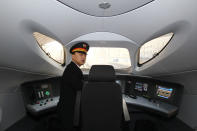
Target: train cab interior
146, 47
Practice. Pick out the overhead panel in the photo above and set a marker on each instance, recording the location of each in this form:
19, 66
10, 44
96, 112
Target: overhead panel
105, 8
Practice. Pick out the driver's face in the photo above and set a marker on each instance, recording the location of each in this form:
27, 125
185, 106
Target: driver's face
79, 58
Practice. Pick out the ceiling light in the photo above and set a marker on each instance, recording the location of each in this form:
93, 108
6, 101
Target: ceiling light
104, 5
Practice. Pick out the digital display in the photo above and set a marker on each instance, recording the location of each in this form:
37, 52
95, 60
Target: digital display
141, 86
164, 92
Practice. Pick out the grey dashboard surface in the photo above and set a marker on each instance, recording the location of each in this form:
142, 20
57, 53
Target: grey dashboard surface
161, 108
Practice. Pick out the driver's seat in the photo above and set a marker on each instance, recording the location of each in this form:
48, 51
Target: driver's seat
101, 101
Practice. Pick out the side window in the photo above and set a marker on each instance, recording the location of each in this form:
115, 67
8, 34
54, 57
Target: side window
51, 47
152, 48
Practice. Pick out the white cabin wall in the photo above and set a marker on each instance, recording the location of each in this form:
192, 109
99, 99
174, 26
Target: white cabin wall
188, 107
11, 101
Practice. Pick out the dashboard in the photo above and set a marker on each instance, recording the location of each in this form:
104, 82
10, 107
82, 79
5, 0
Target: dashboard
141, 93
151, 89
152, 95
41, 96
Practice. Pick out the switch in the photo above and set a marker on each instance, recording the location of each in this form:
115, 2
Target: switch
47, 93
39, 95
42, 93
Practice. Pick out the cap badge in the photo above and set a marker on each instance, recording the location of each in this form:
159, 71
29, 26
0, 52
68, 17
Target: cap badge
84, 45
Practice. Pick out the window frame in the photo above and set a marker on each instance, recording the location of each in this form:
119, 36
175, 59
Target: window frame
138, 54
64, 49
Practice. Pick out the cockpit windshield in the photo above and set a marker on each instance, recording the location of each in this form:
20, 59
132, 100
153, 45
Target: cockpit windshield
119, 58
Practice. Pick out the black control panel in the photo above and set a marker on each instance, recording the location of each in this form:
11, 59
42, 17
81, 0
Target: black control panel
41, 96
153, 89
153, 95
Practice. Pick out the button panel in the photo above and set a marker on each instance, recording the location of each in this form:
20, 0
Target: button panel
43, 105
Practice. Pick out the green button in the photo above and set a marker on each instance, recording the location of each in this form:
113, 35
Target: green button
47, 93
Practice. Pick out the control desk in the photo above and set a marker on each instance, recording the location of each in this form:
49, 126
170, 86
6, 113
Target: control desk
41, 96
144, 93
152, 95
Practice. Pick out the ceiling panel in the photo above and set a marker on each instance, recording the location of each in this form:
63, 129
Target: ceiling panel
105, 8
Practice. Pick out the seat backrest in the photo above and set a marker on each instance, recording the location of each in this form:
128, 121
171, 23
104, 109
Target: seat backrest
101, 101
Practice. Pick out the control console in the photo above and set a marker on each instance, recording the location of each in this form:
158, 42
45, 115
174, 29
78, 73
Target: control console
148, 94
41, 96
155, 106
43, 105
152, 95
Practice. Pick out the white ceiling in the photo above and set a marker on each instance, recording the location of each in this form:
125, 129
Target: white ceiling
116, 7
19, 19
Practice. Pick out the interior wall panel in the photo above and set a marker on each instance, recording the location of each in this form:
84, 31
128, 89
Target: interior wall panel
12, 108
11, 100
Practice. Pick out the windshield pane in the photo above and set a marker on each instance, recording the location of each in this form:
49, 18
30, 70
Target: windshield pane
119, 58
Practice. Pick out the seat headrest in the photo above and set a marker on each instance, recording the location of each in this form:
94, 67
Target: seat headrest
102, 73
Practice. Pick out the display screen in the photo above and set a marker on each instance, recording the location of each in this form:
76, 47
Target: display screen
141, 86
164, 92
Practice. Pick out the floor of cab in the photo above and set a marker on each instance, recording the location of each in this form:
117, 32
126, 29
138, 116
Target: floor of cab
140, 121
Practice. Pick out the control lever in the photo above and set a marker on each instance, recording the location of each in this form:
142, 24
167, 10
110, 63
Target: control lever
133, 96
